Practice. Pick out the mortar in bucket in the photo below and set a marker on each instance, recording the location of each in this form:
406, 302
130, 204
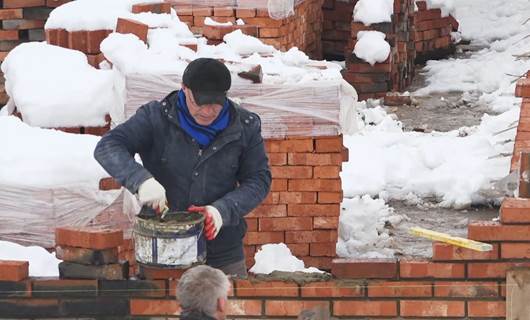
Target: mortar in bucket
177, 241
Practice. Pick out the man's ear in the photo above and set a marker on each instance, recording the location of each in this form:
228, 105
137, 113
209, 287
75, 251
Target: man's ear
221, 305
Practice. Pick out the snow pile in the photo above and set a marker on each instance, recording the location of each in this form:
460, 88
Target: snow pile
373, 11
371, 47
244, 44
451, 166
41, 262
362, 228
278, 257
56, 87
446, 6
42, 158
210, 22
88, 15
491, 71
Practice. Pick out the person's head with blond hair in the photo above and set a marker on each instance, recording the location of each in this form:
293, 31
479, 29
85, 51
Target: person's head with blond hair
203, 293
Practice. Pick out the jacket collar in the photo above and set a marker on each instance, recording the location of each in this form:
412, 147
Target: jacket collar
169, 110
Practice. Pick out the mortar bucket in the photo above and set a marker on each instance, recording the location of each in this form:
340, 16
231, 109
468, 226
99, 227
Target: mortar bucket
176, 242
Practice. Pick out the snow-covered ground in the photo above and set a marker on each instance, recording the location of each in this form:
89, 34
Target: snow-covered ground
451, 167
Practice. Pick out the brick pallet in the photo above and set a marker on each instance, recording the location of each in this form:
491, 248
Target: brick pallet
337, 27
394, 74
302, 30
433, 33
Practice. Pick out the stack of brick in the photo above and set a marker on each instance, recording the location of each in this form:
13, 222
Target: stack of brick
303, 29
336, 31
91, 253
397, 71
22, 21
522, 138
433, 33
302, 210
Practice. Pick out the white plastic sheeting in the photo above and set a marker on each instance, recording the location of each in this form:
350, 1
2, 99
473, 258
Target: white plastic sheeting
318, 108
30, 215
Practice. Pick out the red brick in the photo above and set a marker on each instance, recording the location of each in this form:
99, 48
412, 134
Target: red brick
87, 256
487, 309
77, 40
311, 236
466, 289
333, 289
268, 211
515, 210
252, 224
330, 185
327, 172
442, 251
280, 185
420, 308
253, 288
328, 144
427, 269
155, 307
277, 159
515, 250
56, 3
161, 7
155, 273
320, 210
364, 268
494, 231
8, 14
314, 159
272, 32
238, 307
137, 28
23, 3
323, 249
8, 34
330, 197
11, 270
490, 270
202, 11
272, 198
326, 223
291, 308
522, 88
264, 237
365, 308
298, 249
88, 237
430, 14
289, 145
264, 22
453, 22
245, 13
58, 37
223, 12
249, 252
292, 172
109, 184
384, 289
94, 40
298, 197
285, 224
218, 32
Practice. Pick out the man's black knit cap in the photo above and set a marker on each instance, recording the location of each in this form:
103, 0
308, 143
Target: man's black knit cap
208, 79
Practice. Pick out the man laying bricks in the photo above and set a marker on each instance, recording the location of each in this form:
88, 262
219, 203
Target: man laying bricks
200, 151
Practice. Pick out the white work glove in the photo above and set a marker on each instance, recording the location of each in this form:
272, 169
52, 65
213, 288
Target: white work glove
212, 220
152, 193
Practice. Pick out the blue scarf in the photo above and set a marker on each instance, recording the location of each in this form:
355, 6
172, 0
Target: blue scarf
203, 134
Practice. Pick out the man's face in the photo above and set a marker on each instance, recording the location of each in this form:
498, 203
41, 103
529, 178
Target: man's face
204, 114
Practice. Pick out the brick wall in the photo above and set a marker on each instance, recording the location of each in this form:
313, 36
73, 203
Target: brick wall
432, 33
302, 30
337, 27
397, 71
